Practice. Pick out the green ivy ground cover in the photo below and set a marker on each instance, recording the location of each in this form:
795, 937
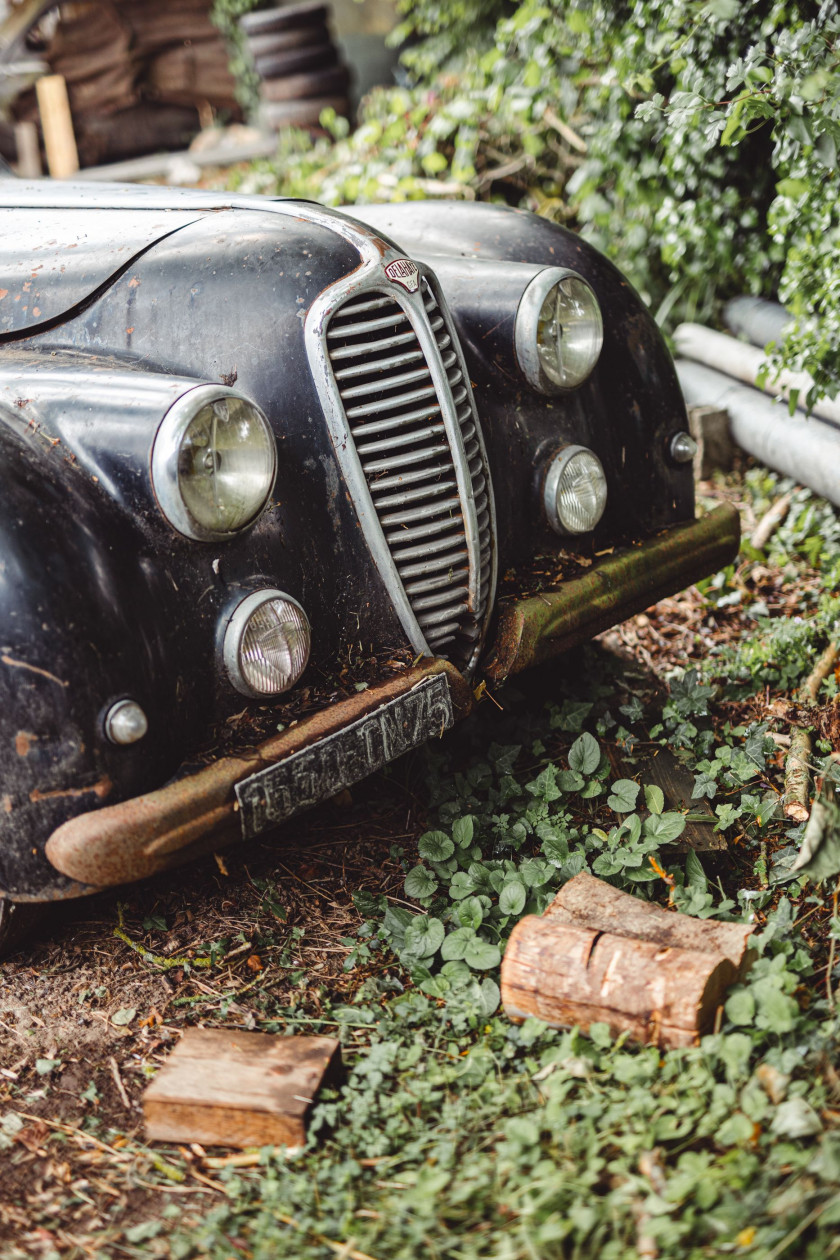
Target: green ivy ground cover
695, 141
460, 1135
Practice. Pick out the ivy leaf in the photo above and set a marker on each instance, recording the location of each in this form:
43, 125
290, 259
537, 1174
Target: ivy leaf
819, 857
512, 899
124, 1016
664, 828
455, 943
44, 1066
481, 955
623, 796
585, 754
654, 798
694, 873
420, 883
463, 830
740, 1007
423, 937
435, 846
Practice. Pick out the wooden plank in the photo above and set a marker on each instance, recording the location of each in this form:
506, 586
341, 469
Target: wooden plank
660, 768
57, 126
231, 1088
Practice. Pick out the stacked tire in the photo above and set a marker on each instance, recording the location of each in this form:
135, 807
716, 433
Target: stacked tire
299, 66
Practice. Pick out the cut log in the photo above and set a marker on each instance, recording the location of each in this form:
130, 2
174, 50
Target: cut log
567, 974
757, 319
591, 902
231, 1088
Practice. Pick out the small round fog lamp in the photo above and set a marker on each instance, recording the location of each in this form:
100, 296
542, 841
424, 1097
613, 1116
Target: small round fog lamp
125, 722
575, 492
683, 448
267, 644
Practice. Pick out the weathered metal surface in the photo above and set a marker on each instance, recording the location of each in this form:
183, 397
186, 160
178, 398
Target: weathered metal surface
314, 774
533, 630
199, 813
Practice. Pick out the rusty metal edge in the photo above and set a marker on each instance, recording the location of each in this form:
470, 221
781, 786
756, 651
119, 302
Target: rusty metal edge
198, 813
534, 630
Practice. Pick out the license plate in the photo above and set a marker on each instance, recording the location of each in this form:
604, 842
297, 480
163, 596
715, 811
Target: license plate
342, 759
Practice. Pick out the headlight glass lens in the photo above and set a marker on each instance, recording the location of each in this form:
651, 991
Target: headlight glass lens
226, 464
267, 644
570, 332
575, 491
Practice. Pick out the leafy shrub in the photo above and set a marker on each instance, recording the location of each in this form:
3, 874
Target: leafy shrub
696, 143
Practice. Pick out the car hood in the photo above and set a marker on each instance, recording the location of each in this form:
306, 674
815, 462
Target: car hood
62, 243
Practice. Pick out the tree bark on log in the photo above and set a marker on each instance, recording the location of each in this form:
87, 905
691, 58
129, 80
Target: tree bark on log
591, 902
798, 760
599, 955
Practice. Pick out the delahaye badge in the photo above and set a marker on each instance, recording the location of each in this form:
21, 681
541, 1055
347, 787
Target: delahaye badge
405, 273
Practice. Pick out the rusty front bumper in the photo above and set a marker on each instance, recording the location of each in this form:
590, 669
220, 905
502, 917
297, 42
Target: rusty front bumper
533, 630
237, 797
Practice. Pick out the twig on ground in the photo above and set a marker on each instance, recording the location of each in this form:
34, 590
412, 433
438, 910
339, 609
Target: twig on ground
770, 522
118, 1081
156, 960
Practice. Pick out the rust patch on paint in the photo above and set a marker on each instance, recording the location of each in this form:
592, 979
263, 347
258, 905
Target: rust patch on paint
100, 790
23, 742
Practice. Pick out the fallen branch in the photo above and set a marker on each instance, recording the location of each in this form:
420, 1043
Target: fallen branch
563, 129
156, 960
770, 522
798, 761
798, 776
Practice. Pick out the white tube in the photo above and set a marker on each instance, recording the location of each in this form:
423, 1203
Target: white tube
799, 446
742, 361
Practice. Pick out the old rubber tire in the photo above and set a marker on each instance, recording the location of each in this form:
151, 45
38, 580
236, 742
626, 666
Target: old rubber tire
285, 19
18, 921
284, 41
299, 87
318, 56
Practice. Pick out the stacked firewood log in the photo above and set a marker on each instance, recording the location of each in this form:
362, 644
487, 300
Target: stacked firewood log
140, 77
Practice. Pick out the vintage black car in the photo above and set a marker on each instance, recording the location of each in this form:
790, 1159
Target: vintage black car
263, 467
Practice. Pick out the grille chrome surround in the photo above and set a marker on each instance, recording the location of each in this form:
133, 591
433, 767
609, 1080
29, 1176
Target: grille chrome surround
408, 440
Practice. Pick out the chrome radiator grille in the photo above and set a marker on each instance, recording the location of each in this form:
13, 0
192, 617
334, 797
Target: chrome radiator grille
437, 524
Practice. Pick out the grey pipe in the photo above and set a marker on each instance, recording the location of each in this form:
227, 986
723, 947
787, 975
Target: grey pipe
756, 319
804, 448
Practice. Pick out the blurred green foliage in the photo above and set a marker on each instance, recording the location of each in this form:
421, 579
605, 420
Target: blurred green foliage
695, 141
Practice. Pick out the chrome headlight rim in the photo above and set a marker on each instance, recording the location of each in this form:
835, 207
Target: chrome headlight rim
234, 635
526, 329
166, 451
555, 468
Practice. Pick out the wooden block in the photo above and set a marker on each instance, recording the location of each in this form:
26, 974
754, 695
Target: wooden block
709, 426
232, 1088
661, 768
57, 126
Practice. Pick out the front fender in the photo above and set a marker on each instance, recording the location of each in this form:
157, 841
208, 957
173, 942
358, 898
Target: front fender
74, 637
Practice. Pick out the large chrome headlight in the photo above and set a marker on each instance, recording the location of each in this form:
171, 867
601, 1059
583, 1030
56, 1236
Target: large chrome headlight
575, 491
267, 643
559, 330
213, 463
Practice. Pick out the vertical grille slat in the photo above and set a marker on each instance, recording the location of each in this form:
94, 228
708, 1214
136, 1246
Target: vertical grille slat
429, 485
